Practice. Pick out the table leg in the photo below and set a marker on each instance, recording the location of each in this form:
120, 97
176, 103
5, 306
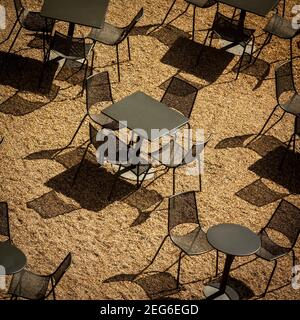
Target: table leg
242, 19
71, 29
221, 290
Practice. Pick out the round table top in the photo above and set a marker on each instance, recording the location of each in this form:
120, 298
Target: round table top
233, 239
11, 258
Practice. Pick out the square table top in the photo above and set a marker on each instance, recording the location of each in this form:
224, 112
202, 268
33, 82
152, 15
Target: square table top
259, 7
144, 112
88, 13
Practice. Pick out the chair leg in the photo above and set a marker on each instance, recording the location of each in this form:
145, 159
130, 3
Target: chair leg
156, 254
217, 262
267, 40
194, 18
270, 116
291, 49
81, 162
15, 38
271, 276
114, 183
72, 139
286, 152
294, 257
204, 43
128, 46
172, 5
85, 76
178, 270
174, 180
240, 63
118, 62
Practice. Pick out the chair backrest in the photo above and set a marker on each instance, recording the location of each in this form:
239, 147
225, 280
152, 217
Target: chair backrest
182, 209
284, 79
62, 268
286, 220
98, 89
180, 95
68, 46
4, 220
131, 25
19, 7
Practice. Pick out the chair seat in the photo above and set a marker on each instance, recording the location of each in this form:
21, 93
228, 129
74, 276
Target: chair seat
29, 285
280, 27
293, 105
105, 121
193, 243
202, 3
269, 249
33, 21
109, 34
75, 49
171, 154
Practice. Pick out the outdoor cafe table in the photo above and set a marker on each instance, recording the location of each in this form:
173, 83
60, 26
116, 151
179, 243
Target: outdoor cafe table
233, 240
148, 118
11, 258
87, 13
258, 7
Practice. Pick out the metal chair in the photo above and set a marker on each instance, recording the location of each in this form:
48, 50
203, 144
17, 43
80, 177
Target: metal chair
30, 21
284, 83
282, 28
204, 4
230, 30
113, 36
69, 48
98, 90
173, 156
180, 95
119, 154
29, 285
182, 210
4, 220
286, 221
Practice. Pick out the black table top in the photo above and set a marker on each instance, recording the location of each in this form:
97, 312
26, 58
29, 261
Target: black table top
259, 7
233, 239
89, 13
11, 258
143, 112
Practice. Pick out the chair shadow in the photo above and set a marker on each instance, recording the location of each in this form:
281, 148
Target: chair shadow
94, 182
50, 205
156, 286
183, 55
272, 152
260, 69
23, 73
18, 106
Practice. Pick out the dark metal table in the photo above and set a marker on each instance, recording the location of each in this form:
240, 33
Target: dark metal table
259, 7
11, 258
233, 240
87, 13
147, 117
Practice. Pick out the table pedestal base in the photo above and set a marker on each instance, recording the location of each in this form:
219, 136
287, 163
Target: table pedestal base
213, 288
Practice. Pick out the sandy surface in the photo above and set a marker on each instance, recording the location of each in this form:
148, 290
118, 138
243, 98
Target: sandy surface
112, 241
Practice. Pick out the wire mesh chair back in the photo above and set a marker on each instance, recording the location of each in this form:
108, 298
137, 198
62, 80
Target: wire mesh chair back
98, 89
286, 220
62, 268
180, 95
4, 220
230, 29
68, 46
19, 7
182, 209
131, 25
284, 79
